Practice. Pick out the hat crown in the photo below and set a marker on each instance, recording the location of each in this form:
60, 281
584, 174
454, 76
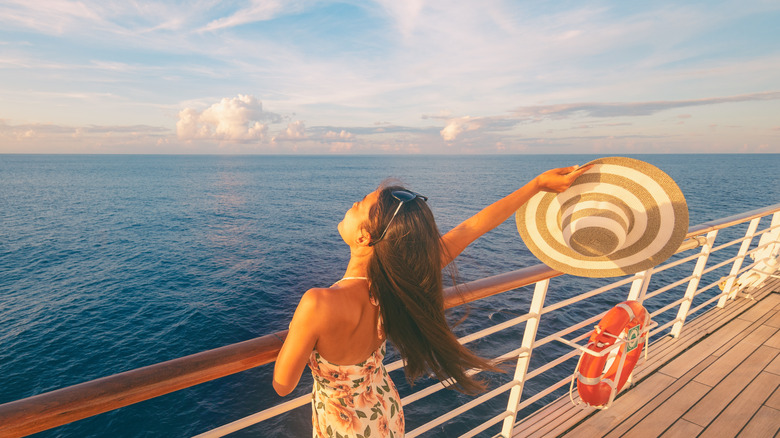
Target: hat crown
595, 227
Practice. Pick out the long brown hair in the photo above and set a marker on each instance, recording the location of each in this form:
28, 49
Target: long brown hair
405, 275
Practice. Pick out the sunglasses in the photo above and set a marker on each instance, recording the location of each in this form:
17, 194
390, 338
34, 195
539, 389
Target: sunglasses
403, 196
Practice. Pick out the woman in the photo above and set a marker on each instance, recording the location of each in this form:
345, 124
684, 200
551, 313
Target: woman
392, 288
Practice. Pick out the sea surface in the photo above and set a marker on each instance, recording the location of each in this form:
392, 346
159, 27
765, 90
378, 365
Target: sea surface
110, 263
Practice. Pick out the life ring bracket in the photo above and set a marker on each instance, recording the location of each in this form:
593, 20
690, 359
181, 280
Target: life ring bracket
619, 340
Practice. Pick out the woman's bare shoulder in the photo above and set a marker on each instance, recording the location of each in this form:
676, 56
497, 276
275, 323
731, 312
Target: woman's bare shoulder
331, 302
325, 299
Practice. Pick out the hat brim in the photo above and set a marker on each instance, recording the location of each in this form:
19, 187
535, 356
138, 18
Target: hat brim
654, 204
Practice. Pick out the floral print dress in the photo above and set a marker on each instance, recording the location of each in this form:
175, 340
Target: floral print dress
355, 401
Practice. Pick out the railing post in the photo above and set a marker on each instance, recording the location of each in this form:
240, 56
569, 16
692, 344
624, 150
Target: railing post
639, 285
694, 283
727, 294
776, 249
529, 337
637, 293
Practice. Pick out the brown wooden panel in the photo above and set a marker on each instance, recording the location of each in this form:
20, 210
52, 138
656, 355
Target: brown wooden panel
774, 366
682, 429
648, 408
731, 359
624, 408
542, 417
774, 341
560, 412
561, 424
763, 306
706, 347
668, 413
489, 286
720, 396
774, 321
747, 403
774, 400
668, 348
765, 423
758, 323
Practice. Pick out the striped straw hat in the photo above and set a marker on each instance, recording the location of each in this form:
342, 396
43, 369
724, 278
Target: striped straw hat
620, 217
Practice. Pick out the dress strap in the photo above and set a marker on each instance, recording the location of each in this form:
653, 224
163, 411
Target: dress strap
353, 278
370, 298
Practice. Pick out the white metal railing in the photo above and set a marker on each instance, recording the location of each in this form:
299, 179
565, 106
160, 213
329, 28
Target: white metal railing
657, 288
663, 299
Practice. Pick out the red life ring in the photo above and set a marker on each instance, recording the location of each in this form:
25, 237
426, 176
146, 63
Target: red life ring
592, 386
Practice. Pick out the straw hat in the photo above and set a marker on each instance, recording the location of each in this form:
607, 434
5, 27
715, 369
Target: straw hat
620, 217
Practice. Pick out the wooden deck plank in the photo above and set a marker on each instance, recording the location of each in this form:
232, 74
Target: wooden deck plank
744, 406
774, 400
682, 429
774, 366
564, 415
765, 424
546, 415
667, 348
774, 341
569, 418
761, 308
666, 392
629, 402
720, 396
775, 320
625, 407
667, 414
547, 419
729, 361
734, 341
707, 347
560, 411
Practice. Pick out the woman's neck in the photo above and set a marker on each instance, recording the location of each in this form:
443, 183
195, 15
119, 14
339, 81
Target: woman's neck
357, 266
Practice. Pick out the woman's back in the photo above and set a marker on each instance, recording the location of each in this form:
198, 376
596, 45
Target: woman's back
353, 395
351, 333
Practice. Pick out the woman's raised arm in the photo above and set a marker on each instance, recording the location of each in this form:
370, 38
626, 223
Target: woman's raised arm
554, 180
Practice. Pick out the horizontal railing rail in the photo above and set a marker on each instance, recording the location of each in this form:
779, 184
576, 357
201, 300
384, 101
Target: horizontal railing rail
62, 406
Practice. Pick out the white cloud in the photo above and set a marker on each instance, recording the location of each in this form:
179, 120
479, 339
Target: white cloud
405, 13
340, 142
236, 119
341, 147
295, 131
455, 127
631, 109
507, 64
48, 16
338, 135
258, 10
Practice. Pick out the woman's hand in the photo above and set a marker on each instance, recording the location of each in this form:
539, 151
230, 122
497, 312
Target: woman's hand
558, 180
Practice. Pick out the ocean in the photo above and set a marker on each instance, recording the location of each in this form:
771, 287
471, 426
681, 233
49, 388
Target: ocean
114, 262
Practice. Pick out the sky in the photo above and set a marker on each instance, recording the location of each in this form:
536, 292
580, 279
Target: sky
389, 77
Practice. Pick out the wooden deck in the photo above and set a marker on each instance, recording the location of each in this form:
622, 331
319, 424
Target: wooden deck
719, 379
